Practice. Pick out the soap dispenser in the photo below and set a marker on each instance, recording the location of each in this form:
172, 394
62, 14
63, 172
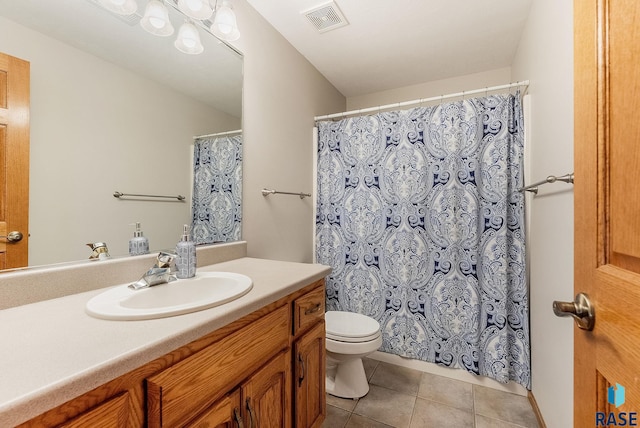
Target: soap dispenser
186, 255
139, 244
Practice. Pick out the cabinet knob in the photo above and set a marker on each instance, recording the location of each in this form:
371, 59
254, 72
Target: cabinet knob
313, 309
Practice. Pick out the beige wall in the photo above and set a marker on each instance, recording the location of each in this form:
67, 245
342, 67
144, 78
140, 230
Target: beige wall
434, 88
94, 130
545, 57
282, 94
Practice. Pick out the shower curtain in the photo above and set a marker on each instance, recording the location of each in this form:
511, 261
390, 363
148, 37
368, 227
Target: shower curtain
217, 189
420, 217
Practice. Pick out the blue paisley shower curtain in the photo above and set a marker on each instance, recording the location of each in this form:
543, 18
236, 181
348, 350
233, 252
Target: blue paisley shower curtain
420, 217
217, 189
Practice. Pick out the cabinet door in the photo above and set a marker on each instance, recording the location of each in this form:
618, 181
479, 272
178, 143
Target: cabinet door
112, 413
309, 352
266, 394
225, 413
190, 386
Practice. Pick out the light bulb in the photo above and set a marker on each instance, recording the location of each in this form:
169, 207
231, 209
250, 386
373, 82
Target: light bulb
224, 24
188, 40
196, 9
156, 19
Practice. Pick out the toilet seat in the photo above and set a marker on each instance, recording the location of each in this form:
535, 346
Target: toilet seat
350, 327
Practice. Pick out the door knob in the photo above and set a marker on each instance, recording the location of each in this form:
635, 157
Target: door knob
14, 236
581, 310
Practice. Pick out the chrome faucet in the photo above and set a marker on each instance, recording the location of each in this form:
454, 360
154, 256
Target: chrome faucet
160, 273
99, 251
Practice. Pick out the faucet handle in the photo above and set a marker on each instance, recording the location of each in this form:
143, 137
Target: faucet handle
165, 258
100, 251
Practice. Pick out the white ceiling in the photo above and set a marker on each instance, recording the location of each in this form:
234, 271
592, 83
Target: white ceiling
394, 43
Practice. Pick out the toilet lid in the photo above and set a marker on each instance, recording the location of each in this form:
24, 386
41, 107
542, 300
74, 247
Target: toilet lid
350, 326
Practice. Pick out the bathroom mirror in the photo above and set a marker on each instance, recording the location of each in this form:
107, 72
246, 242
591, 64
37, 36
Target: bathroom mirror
113, 108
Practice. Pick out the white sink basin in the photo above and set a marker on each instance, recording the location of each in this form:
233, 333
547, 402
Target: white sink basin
205, 290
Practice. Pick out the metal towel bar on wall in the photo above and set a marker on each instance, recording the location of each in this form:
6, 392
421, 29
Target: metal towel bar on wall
266, 192
119, 195
567, 178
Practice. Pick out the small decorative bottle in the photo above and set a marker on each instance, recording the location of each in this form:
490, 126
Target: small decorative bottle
139, 244
186, 255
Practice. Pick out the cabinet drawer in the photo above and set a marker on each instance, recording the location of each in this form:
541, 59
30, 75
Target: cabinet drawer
188, 387
308, 309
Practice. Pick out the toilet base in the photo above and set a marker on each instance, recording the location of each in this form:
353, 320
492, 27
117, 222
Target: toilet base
346, 379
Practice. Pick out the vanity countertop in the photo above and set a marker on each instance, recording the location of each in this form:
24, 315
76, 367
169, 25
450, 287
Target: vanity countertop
52, 351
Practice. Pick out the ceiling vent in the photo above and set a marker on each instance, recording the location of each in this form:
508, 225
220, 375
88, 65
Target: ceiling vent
326, 17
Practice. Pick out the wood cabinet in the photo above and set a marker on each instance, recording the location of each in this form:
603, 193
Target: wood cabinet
262, 401
112, 413
309, 358
185, 389
266, 395
309, 353
265, 370
225, 413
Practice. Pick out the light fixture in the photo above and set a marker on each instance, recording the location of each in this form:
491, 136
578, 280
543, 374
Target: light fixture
198, 13
188, 40
156, 19
121, 7
196, 9
224, 24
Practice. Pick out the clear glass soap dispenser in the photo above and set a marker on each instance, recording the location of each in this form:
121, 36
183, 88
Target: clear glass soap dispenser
186, 255
139, 244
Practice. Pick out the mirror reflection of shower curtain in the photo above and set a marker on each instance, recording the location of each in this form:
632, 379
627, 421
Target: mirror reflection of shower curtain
217, 189
420, 218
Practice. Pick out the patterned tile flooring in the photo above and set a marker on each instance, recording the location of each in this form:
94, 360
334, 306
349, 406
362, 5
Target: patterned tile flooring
406, 398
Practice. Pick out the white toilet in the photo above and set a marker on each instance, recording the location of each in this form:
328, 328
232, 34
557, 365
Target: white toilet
350, 337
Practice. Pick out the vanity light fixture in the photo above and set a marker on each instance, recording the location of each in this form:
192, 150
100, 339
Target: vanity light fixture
196, 9
188, 40
200, 13
156, 19
224, 24
121, 7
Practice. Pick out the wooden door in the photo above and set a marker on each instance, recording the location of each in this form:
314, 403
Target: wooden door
14, 161
309, 380
607, 210
266, 394
225, 413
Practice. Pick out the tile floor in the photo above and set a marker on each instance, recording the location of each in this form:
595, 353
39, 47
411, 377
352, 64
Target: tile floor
406, 398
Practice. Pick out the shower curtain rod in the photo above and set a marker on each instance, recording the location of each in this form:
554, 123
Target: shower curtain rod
424, 100
218, 134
